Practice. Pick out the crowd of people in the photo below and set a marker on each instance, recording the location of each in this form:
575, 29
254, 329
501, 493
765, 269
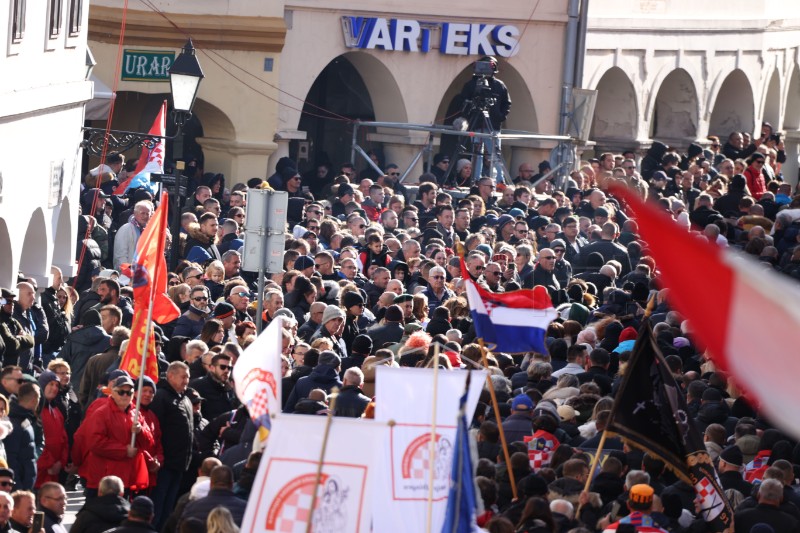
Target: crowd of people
372, 276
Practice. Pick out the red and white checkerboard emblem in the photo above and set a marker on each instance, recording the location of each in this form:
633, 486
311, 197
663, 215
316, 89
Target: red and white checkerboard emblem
711, 504
291, 509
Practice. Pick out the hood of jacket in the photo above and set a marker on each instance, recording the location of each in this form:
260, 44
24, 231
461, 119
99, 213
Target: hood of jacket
89, 335
324, 374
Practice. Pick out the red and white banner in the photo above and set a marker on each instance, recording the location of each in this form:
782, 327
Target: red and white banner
405, 396
257, 376
282, 493
746, 315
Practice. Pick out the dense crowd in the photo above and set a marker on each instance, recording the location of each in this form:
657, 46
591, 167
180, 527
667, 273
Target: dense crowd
372, 276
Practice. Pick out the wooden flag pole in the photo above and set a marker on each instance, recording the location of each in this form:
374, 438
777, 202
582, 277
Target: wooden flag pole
142, 367
432, 445
331, 407
503, 442
592, 468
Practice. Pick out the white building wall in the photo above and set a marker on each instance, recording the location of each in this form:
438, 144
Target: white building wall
42, 95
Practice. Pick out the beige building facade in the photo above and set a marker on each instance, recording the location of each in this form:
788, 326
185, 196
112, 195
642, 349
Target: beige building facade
678, 70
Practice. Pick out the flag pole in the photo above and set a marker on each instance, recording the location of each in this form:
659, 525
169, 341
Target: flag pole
432, 445
318, 476
496, 408
593, 467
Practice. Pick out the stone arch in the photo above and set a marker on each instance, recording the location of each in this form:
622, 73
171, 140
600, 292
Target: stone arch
733, 106
523, 116
216, 124
387, 99
791, 117
771, 100
33, 259
8, 276
675, 107
617, 109
63, 243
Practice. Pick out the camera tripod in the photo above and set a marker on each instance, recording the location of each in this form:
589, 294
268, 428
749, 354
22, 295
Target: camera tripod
479, 122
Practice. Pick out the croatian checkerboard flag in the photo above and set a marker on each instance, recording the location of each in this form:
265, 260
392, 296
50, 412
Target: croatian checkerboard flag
513, 322
747, 316
150, 160
257, 376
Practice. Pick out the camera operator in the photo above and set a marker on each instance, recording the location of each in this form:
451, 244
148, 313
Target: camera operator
484, 92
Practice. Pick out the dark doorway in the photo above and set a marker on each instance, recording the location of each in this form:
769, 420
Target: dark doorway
339, 91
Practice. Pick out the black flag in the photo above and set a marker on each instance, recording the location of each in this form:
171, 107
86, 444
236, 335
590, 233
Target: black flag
650, 413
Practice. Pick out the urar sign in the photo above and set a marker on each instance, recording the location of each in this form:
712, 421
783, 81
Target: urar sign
146, 65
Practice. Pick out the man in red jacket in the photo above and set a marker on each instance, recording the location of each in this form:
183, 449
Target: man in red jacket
103, 442
54, 457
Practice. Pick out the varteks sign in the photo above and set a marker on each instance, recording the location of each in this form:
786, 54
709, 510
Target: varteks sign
454, 38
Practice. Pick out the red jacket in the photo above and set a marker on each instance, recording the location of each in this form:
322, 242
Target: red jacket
56, 445
755, 181
157, 451
100, 446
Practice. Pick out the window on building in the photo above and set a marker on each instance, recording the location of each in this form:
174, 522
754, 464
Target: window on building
54, 24
17, 20
75, 16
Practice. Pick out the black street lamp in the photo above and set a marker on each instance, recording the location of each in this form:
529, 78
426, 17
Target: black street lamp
184, 81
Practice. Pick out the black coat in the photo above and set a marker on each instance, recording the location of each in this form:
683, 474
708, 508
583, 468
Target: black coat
80, 346
735, 480
100, 514
350, 402
131, 526
745, 519
216, 497
322, 377
389, 332
175, 414
598, 375
57, 322
609, 250
219, 398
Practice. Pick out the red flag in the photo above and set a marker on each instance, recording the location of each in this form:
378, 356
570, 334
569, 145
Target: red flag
149, 282
746, 315
155, 157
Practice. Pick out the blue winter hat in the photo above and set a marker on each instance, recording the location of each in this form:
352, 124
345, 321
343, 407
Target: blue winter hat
198, 255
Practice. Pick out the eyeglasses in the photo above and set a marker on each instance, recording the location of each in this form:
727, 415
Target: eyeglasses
240, 215
6, 483
437, 277
124, 392
548, 257
493, 272
242, 294
296, 178
558, 250
224, 367
314, 212
412, 219
320, 265
480, 268
200, 299
171, 284
198, 276
394, 173
629, 168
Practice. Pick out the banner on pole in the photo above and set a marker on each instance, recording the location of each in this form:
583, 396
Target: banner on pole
257, 375
280, 499
404, 467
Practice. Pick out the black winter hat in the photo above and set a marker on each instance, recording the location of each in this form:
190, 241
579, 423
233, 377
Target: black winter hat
362, 345
352, 298
732, 455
